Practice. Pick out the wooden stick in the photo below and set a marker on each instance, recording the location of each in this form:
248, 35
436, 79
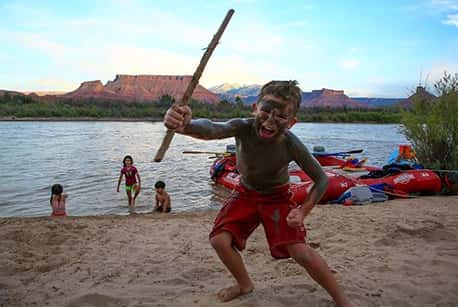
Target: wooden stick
193, 83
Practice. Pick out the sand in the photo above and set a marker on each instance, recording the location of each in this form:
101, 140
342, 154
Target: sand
397, 253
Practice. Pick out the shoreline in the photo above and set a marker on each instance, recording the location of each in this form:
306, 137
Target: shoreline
401, 252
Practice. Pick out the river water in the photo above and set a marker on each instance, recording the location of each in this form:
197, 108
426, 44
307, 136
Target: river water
86, 157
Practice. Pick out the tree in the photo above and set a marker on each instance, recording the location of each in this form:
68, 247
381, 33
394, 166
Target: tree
432, 127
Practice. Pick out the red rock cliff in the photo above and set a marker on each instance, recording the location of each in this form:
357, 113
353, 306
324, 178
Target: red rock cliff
328, 98
142, 88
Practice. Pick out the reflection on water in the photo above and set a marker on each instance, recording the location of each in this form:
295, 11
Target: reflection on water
86, 157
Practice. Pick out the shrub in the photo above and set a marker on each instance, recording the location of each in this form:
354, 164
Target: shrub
432, 127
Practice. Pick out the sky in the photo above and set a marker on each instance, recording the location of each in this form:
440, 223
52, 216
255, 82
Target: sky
366, 48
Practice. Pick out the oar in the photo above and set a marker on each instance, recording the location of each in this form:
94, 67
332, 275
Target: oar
193, 83
203, 152
341, 153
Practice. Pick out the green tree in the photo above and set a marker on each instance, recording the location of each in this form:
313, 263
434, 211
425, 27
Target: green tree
432, 127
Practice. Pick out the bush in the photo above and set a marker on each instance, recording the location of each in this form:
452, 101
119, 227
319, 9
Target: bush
432, 127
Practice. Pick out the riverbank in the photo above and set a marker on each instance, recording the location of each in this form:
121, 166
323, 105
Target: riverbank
399, 253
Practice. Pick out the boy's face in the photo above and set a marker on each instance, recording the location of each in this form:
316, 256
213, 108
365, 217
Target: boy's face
159, 190
273, 116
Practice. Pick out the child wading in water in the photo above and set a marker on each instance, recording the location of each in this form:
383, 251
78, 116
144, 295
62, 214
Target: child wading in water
131, 174
265, 146
57, 200
162, 198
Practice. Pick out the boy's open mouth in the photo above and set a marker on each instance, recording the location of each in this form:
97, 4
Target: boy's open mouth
266, 132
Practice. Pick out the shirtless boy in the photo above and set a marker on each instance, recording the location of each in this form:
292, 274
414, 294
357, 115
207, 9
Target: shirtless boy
265, 147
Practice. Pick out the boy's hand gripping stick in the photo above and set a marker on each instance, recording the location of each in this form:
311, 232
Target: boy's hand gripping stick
193, 83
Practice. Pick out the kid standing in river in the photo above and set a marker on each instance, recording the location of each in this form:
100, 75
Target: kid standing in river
265, 146
131, 174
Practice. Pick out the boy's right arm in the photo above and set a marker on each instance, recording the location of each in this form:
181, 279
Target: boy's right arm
180, 119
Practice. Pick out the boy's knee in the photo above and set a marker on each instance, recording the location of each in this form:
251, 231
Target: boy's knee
303, 255
221, 240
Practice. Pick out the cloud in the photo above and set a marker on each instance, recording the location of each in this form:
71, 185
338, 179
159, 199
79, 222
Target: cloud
451, 20
349, 64
41, 43
443, 5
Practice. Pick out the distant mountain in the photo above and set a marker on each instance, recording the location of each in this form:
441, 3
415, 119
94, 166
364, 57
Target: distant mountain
316, 98
45, 93
378, 102
223, 88
421, 94
141, 88
11, 93
329, 98
129, 88
230, 91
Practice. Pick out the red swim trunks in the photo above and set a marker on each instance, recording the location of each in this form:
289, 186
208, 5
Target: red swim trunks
245, 210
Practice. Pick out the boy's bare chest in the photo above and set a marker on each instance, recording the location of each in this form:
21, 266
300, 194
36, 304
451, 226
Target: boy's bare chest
264, 155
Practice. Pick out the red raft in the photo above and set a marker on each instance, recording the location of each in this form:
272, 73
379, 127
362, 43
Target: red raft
400, 184
412, 181
223, 172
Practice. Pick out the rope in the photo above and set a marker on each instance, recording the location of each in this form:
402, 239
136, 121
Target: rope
392, 194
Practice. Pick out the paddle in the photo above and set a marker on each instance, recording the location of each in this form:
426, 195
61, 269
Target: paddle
193, 83
341, 153
216, 154
203, 152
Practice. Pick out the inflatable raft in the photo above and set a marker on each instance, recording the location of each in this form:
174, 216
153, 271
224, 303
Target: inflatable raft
223, 172
399, 184
413, 181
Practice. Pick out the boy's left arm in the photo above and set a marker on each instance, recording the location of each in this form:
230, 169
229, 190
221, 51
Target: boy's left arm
314, 170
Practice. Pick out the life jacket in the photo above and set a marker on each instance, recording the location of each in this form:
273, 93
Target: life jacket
223, 165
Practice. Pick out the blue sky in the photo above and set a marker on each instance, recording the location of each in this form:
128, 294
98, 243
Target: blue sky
367, 48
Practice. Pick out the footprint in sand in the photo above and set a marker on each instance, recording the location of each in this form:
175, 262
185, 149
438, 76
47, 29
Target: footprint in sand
95, 300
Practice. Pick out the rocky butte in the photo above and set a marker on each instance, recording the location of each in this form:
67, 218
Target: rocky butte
328, 98
316, 98
141, 88
420, 95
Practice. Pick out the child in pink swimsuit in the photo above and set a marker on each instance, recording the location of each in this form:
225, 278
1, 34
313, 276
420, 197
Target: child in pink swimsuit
57, 200
131, 174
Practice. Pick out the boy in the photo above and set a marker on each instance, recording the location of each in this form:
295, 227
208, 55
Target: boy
162, 198
264, 148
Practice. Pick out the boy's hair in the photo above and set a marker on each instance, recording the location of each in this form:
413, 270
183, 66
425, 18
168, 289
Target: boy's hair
125, 158
286, 90
57, 189
159, 185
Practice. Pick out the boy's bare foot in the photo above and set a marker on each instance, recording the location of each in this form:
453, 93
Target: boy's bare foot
229, 293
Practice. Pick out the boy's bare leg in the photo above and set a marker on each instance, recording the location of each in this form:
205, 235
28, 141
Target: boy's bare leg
129, 197
231, 258
319, 271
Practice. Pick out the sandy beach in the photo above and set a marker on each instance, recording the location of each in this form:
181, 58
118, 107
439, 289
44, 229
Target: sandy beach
398, 253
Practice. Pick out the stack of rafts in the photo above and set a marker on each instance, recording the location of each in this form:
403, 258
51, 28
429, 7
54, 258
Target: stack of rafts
400, 178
